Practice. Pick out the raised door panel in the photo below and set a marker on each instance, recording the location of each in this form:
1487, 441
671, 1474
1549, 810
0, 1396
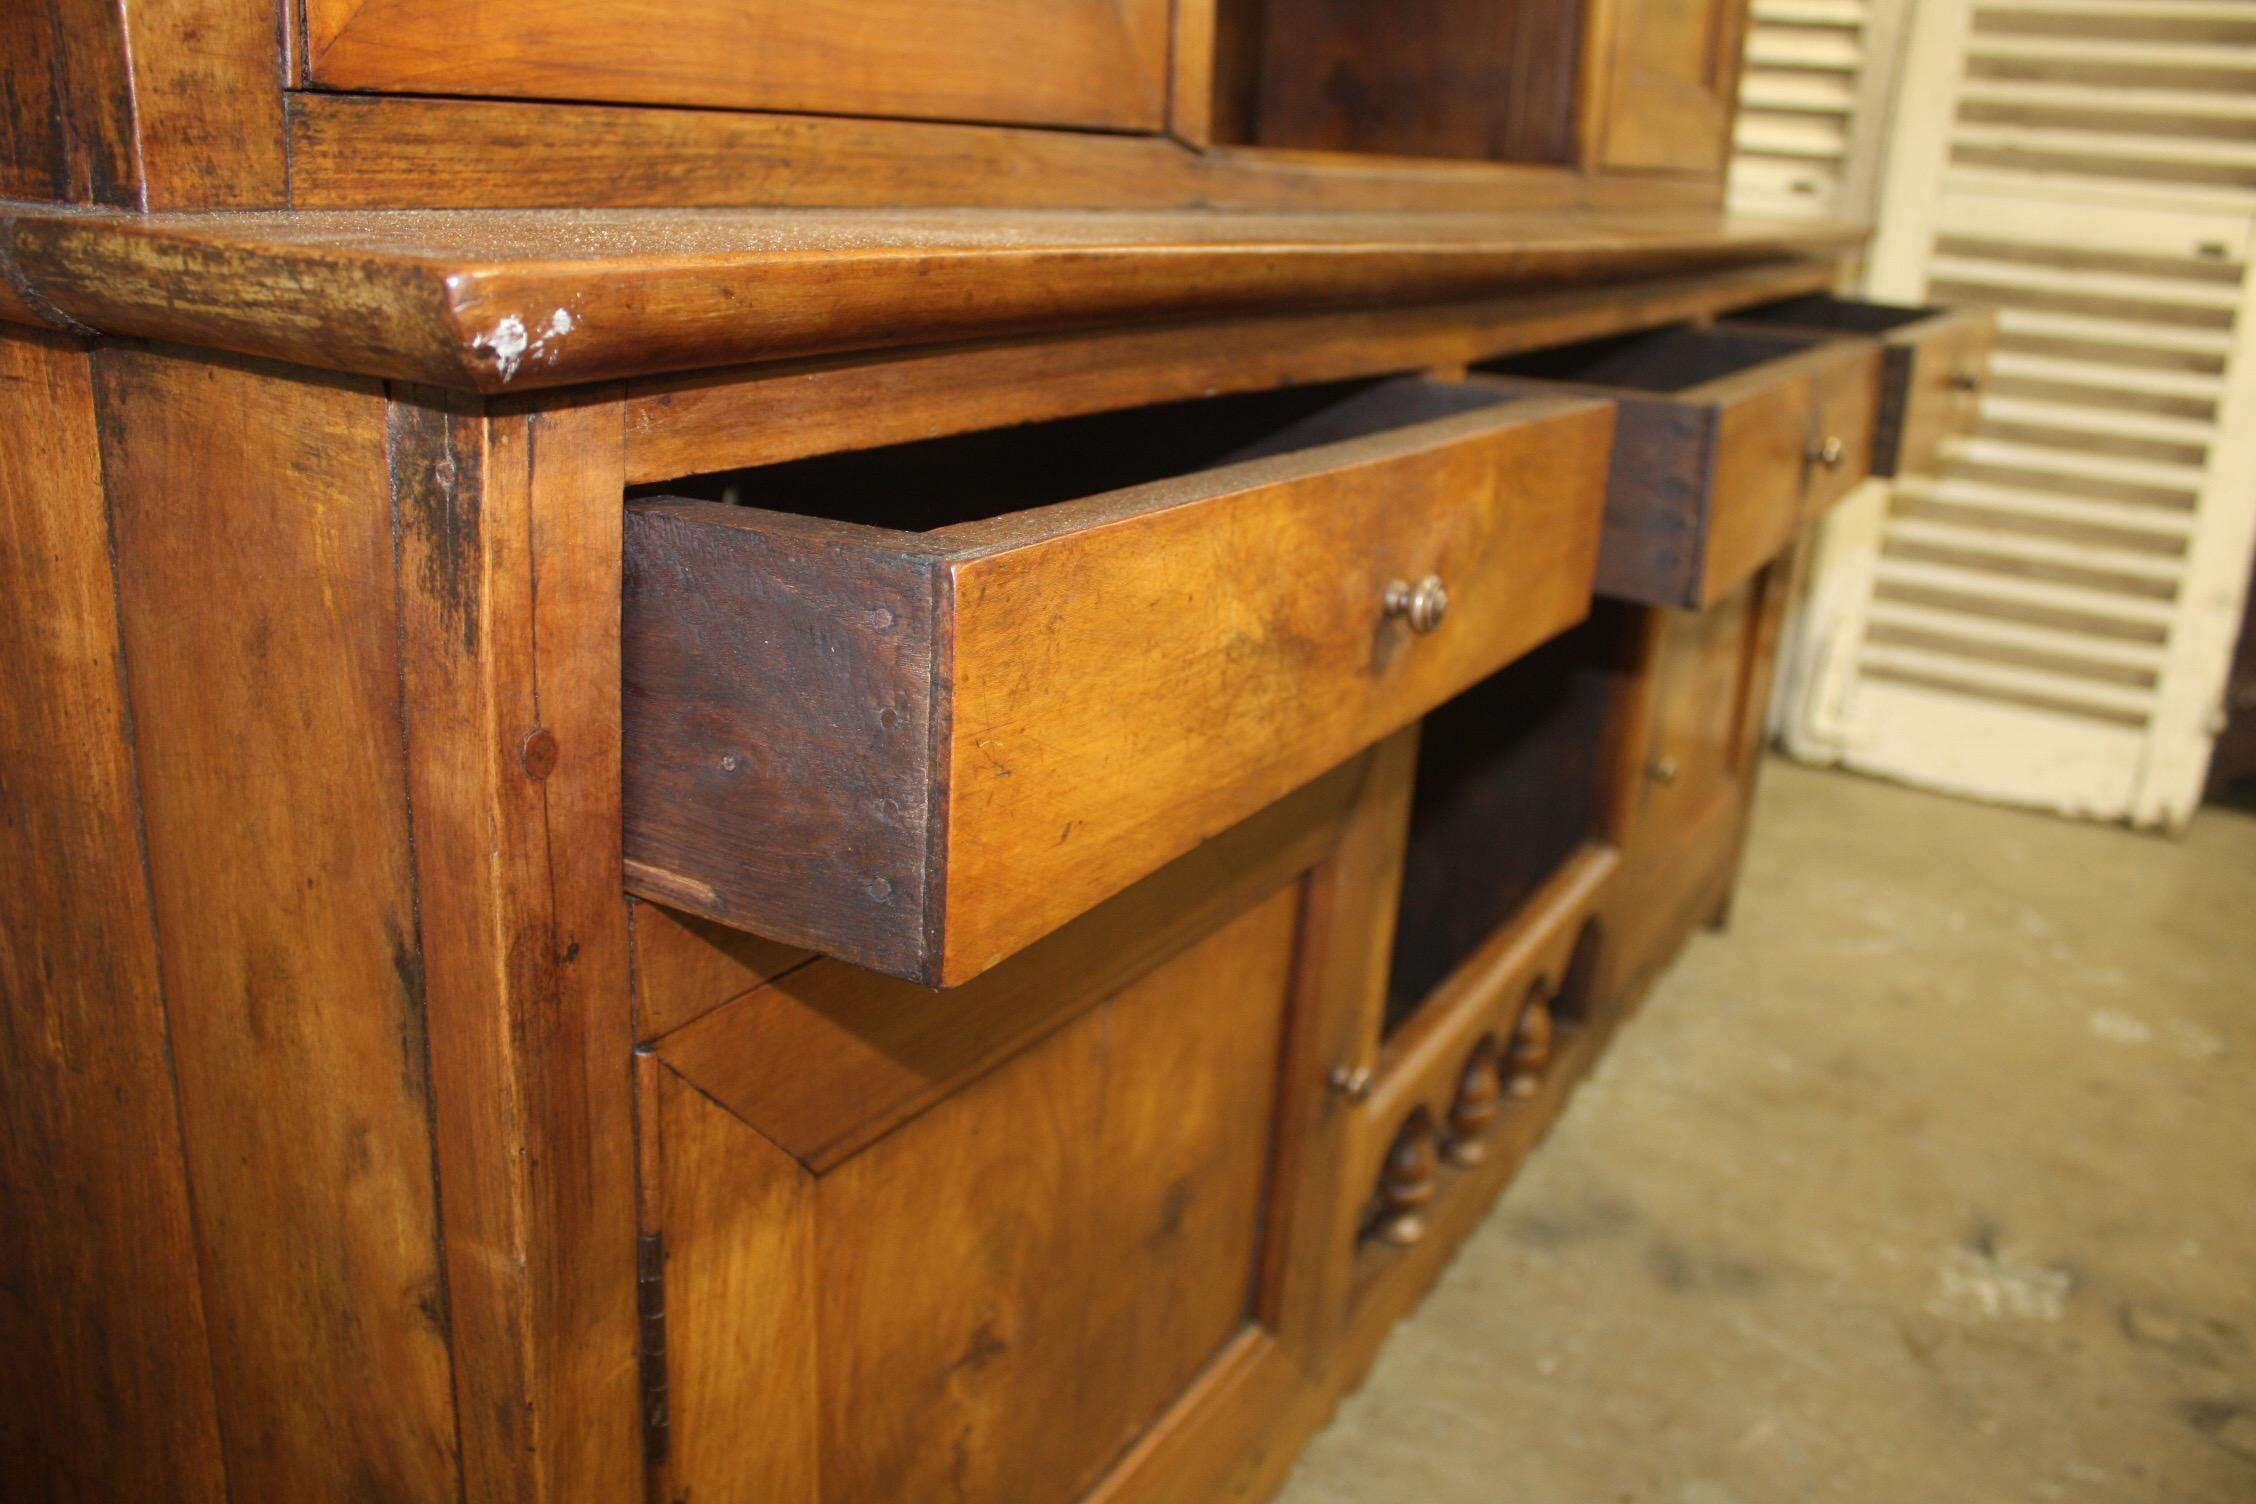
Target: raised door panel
1017, 1283
1670, 74
1026, 62
1004, 1294
1708, 681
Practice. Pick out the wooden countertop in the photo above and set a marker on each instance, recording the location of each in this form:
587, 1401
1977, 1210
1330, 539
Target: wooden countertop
509, 300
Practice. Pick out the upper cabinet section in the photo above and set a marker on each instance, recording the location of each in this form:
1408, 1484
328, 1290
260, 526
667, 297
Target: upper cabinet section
1382, 106
1097, 63
1665, 74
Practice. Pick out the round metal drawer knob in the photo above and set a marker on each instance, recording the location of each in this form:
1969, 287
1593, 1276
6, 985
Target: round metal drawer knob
1423, 605
1829, 453
1662, 769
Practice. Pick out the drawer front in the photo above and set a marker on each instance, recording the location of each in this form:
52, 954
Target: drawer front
1933, 361
1030, 62
1721, 450
921, 752
1757, 483
1844, 419
1223, 653
1932, 389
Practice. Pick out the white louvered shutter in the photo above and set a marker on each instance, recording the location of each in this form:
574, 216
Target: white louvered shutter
2049, 620
1812, 101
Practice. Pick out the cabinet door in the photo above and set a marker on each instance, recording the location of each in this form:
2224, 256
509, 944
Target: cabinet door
1028, 1238
1701, 675
1707, 678
1667, 74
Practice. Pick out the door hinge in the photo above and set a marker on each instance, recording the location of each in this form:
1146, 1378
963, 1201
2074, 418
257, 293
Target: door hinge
650, 1304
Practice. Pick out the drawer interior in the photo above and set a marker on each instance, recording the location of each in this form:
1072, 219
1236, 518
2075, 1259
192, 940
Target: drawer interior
1510, 784
1848, 315
931, 484
1668, 360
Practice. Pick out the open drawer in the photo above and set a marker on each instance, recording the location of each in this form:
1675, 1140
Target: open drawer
1934, 360
916, 707
1729, 439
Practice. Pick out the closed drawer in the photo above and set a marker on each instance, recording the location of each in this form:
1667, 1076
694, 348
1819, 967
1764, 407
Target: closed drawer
917, 707
1729, 439
1933, 364
1022, 62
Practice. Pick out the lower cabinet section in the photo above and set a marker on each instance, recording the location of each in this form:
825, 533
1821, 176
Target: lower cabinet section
1121, 1218
1044, 1237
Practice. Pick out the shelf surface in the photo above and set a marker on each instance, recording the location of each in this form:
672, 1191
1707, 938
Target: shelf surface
509, 300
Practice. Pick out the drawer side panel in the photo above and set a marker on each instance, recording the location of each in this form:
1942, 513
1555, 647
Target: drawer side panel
778, 724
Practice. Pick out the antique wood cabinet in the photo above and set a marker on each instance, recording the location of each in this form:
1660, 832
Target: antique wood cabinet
850, 752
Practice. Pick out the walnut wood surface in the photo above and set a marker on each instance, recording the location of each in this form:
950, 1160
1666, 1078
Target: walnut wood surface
934, 1308
369, 152
1714, 466
175, 105
742, 1271
1933, 362
106, 1392
1708, 686
1670, 83
970, 699
517, 300
831, 1056
1419, 78
686, 425
1039, 62
66, 115
507, 531
262, 653
685, 967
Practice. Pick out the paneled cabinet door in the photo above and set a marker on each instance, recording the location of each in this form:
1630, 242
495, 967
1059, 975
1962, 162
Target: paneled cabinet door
1037, 1238
1664, 77
1708, 682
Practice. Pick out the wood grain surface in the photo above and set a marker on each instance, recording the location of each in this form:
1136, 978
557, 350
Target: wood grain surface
359, 151
1004, 722
107, 1388
1039, 62
262, 648
507, 528
496, 301
719, 420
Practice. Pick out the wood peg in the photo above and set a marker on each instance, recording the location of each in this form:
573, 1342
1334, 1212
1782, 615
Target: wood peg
1531, 1045
1406, 1182
1480, 1097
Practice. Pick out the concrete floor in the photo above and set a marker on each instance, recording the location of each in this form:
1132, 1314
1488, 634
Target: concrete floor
1932, 1182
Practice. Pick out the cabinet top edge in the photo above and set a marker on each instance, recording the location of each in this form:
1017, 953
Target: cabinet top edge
501, 301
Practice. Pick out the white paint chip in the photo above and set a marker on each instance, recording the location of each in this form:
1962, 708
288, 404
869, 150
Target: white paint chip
504, 344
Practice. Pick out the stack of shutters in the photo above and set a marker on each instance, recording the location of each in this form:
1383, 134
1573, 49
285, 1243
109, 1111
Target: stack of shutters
2049, 619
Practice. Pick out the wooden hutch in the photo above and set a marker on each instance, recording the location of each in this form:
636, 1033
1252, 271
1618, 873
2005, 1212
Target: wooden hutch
850, 750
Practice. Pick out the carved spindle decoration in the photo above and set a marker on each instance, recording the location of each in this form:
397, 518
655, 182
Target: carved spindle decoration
1480, 1097
1531, 1045
1406, 1182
